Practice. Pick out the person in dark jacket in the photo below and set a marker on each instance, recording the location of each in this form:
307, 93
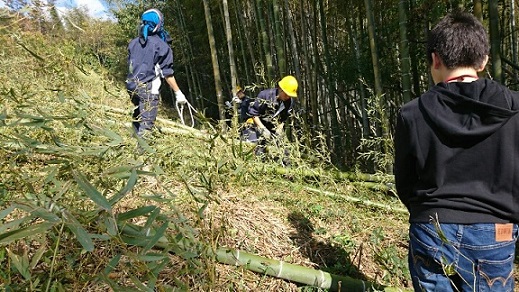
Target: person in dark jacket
242, 100
457, 167
268, 113
149, 59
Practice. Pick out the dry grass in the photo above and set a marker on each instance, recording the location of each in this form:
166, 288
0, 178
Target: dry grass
211, 193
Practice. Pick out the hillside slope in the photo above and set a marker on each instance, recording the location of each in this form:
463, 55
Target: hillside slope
81, 210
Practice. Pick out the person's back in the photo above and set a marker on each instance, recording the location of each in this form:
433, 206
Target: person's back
143, 56
456, 164
269, 111
466, 153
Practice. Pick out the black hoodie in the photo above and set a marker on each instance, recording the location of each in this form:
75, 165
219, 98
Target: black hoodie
457, 154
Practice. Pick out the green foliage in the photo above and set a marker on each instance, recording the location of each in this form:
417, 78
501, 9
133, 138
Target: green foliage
58, 192
80, 210
388, 257
378, 149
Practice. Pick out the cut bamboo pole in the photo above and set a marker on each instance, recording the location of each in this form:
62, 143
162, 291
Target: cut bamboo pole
295, 273
274, 268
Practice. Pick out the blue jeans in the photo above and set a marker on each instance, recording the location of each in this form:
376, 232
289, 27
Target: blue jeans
467, 259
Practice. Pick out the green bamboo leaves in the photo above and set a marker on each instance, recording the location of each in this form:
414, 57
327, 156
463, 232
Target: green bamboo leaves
92, 192
24, 232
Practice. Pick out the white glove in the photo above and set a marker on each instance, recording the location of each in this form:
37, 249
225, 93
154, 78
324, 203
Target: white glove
265, 133
279, 130
181, 98
236, 99
228, 104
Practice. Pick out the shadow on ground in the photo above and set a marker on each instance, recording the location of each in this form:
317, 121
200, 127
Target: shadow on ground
327, 257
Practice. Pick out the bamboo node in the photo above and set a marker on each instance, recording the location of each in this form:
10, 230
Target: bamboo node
280, 269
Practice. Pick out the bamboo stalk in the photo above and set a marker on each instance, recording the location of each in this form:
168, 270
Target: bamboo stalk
161, 120
352, 176
356, 200
296, 273
274, 268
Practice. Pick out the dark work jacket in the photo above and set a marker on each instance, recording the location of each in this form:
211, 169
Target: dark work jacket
244, 108
266, 106
148, 60
457, 154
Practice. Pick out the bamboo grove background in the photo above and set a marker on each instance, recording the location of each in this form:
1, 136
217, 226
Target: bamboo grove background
357, 61
80, 211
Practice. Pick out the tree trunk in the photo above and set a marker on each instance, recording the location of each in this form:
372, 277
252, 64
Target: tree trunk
216, 67
380, 104
280, 43
295, 51
495, 41
243, 36
478, 10
312, 99
330, 92
320, 103
373, 47
265, 40
361, 92
188, 52
404, 51
232, 63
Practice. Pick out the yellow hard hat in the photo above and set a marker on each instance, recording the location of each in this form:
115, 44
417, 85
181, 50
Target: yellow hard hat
238, 88
289, 85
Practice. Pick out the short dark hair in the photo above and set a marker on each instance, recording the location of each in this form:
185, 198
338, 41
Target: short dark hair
460, 40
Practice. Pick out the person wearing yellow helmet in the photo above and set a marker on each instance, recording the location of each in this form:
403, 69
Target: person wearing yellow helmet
270, 110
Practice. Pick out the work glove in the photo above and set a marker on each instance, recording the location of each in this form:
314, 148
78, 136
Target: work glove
265, 133
279, 130
180, 97
228, 104
236, 99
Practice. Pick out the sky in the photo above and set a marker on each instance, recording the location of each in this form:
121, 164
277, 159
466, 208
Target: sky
96, 8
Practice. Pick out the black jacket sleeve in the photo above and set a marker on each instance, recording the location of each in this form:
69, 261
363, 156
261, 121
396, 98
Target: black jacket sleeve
405, 163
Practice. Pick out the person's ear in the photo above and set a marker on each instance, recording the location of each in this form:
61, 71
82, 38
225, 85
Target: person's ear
436, 61
483, 64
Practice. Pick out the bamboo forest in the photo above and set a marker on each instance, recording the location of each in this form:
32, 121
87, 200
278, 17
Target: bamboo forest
86, 204
357, 61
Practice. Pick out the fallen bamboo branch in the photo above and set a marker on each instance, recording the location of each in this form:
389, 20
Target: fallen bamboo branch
354, 176
171, 126
337, 175
357, 200
353, 199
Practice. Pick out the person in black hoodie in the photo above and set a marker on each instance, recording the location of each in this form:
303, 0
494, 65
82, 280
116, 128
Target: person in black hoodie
457, 167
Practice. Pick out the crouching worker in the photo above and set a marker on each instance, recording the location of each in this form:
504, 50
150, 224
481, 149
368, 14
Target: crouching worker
149, 59
242, 101
268, 113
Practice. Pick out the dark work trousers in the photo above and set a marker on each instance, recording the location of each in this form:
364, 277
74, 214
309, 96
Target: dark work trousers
146, 109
